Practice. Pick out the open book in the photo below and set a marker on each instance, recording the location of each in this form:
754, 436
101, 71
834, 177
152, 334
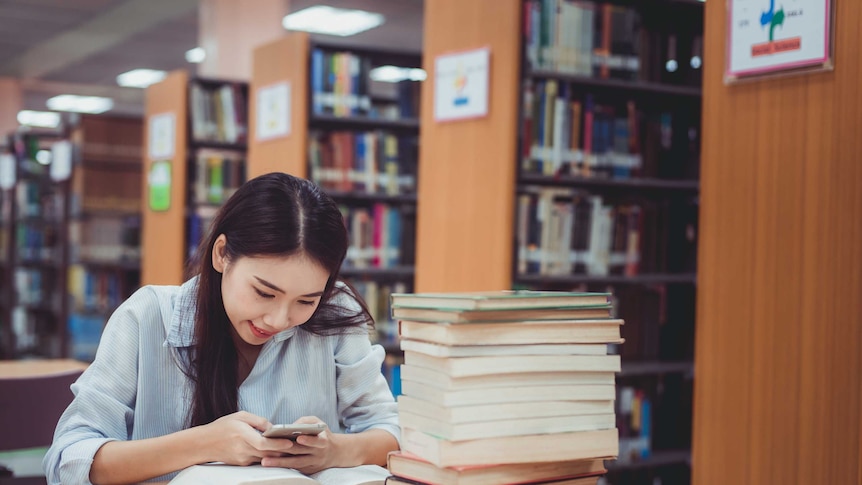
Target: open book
220, 474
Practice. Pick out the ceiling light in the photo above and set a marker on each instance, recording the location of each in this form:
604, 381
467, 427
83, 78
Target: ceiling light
140, 78
80, 104
322, 19
39, 119
394, 74
196, 55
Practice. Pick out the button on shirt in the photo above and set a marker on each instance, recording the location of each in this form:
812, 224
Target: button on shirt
135, 388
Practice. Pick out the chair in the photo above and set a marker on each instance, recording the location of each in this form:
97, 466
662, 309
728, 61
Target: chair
33, 395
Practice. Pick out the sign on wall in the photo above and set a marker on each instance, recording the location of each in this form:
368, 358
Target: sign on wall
768, 37
461, 82
273, 111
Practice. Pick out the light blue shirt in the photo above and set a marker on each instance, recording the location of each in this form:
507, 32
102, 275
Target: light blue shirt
135, 389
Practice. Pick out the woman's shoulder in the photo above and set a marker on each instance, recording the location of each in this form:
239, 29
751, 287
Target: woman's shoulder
150, 302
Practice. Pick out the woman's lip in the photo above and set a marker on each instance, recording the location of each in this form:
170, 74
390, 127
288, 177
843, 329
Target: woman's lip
259, 332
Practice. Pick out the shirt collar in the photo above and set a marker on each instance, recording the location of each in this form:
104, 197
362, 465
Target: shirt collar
180, 331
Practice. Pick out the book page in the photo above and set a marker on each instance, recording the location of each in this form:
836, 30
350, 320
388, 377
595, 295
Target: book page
360, 475
220, 474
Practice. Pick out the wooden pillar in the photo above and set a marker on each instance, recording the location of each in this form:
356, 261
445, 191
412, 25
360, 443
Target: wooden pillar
281, 61
465, 214
231, 29
779, 320
11, 102
164, 232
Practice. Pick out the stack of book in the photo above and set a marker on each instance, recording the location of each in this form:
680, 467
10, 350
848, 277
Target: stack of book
505, 387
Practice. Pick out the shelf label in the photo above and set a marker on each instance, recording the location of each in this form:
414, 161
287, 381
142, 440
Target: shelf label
7, 171
162, 129
767, 37
273, 111
461, 84
159, 182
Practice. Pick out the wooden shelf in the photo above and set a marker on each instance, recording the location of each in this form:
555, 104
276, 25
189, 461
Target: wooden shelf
642, 279
37, 263
359, 123
37, 307
366, 197
627, 184
656, 459
630, 369
393, 273
122, 265
380, 56
217, 145
37, 221
618, 86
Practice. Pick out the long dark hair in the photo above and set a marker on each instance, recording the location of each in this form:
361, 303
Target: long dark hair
275, 214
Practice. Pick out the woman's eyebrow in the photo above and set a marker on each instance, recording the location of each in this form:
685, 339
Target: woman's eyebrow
268, 284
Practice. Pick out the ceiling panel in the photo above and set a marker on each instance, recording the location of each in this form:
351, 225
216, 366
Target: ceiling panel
163, 48
27, 24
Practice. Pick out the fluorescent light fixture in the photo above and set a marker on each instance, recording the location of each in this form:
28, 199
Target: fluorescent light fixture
322, 19
140, 78
394, 74
196, 55
80, 104
39, 119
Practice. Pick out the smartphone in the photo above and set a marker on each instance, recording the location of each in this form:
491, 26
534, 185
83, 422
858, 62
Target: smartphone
291, 431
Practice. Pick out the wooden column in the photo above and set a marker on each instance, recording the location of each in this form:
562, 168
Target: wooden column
163, 233
11, 102
284, 60
779, 320
231, 29
465, 215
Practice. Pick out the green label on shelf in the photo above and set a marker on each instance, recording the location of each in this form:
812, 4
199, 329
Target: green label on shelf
159, 180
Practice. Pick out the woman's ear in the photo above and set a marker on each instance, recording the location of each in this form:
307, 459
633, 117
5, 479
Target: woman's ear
219, 255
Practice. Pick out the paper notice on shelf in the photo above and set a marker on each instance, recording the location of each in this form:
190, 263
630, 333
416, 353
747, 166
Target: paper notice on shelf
7, 171
162, 134
273, 111
61, 160
461, 84
159, 181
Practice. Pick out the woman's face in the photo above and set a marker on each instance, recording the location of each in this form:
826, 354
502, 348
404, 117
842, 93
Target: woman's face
266, 295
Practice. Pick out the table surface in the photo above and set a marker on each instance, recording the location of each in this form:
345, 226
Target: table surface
13, 369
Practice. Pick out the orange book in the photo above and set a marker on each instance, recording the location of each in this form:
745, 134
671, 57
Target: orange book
407, 465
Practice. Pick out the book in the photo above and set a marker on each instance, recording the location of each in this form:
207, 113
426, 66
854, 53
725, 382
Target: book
472, 397
443, 381
507, 427
513, 364
393, 480
439, 350
502, 411
450, 315
537, 448
407, 465
221, 474
514, 333
498, 300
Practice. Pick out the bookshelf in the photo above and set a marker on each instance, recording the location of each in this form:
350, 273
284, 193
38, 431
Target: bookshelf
206, 161
34, 225
356, 138
608, 197
104, 225
6, 240
645, 188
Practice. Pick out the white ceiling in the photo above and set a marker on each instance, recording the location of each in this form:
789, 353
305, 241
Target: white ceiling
80, 46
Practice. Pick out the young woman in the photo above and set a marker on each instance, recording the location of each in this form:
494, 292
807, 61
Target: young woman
263, 334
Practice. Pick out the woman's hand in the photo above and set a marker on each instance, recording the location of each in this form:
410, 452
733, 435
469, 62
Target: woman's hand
235, 439
309, 454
